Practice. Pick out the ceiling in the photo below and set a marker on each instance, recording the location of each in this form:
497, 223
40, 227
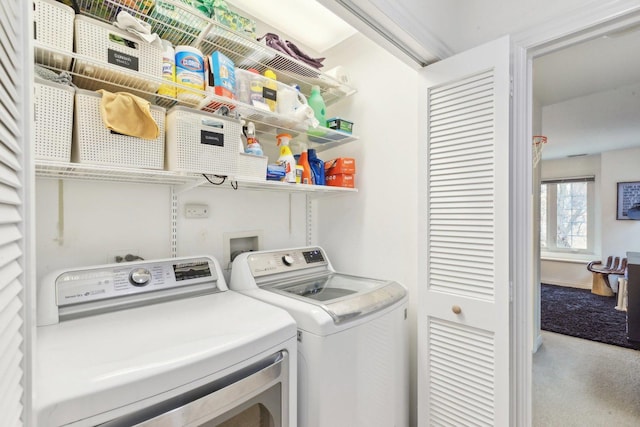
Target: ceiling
581, 75
587, 69
603, 64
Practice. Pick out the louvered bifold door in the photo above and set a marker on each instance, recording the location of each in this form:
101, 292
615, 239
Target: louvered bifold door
12, 136
464, 280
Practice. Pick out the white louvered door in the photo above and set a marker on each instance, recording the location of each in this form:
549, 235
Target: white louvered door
15, 99
463, 316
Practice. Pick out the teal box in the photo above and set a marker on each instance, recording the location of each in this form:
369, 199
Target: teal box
224, 74
342, 125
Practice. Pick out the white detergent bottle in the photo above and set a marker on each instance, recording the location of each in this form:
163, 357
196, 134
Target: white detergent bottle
286, 158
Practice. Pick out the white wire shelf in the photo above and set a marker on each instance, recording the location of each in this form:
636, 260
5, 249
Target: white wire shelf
93, 74
182, 25
78, 171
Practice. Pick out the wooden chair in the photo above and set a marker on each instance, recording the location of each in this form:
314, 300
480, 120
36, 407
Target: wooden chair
600, 284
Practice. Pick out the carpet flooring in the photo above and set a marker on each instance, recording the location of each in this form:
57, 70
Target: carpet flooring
581, 314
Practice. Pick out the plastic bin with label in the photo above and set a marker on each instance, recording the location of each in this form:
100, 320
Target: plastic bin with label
117, 56
199, 142
53, 112
94, 143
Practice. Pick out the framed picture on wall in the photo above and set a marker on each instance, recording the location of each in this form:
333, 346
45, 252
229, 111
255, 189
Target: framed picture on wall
628, 200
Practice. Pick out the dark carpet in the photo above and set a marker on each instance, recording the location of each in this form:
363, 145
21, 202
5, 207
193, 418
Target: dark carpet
581, 314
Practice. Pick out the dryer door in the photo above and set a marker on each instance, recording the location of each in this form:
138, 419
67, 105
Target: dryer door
257, 395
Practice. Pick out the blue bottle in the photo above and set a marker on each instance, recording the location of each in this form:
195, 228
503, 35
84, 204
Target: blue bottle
317, 167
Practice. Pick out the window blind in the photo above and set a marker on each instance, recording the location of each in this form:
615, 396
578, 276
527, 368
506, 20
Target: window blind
589, 178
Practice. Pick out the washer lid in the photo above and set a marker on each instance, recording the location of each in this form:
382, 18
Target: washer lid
343, 297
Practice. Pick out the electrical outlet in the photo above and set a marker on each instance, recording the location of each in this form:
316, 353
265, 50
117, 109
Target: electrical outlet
196, 211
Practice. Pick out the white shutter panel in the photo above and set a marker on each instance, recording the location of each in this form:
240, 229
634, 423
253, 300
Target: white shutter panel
13, 96
464, 300
461, 187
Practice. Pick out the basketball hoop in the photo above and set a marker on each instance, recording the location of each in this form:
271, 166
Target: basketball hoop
538, 145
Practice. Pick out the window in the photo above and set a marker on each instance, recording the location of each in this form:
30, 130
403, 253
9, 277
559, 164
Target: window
567, 215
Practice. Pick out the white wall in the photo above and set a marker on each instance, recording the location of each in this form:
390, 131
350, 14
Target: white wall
566, 273
88, 221
373, 232
596, 121
574, 272
618, 236
613, 237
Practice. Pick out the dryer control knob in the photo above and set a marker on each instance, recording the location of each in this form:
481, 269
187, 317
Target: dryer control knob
287, 259
140, 277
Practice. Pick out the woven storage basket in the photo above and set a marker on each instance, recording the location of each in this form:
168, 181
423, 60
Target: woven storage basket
179, 22
93, 143
202, 143
251, 167
133, 64
53, 111
53, 27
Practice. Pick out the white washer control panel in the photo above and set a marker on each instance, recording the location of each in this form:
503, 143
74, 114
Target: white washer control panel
86, 291
76, 287
267, 263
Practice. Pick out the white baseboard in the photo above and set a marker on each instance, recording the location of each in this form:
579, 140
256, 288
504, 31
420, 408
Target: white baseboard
580, 285
537, 342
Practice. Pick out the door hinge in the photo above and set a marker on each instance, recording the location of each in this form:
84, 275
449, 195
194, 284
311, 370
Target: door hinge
511, 86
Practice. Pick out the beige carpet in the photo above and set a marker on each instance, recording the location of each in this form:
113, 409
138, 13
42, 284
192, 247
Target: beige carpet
582, 383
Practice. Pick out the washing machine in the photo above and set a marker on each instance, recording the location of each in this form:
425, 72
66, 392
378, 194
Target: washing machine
352, 336
160, 343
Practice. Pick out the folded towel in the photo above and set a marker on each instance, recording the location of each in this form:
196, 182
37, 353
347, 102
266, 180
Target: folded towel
47, 74
127, 114
126, 21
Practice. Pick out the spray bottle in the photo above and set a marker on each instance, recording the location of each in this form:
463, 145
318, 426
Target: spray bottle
306, 168
253, 145
286, 157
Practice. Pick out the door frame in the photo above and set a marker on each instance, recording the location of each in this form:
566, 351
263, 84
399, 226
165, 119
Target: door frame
593, 21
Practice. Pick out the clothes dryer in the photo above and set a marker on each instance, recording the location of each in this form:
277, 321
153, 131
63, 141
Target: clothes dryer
163, 342
352, 336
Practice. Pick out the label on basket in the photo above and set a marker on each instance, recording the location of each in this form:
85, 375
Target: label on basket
211, 138
268, 93
123, 60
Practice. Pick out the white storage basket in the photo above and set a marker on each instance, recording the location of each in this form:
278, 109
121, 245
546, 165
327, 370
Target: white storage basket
93, 143
53, 111
53, 27
252, 167
133, 64
198, 142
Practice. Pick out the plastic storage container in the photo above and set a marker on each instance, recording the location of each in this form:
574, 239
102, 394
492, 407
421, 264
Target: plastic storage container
168, 69
53, 111
181, 24
317, 167
306, 168
270, 90
316, 102
198, 142
190, 72
126, 59
53, 27
252, 167
93, 143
